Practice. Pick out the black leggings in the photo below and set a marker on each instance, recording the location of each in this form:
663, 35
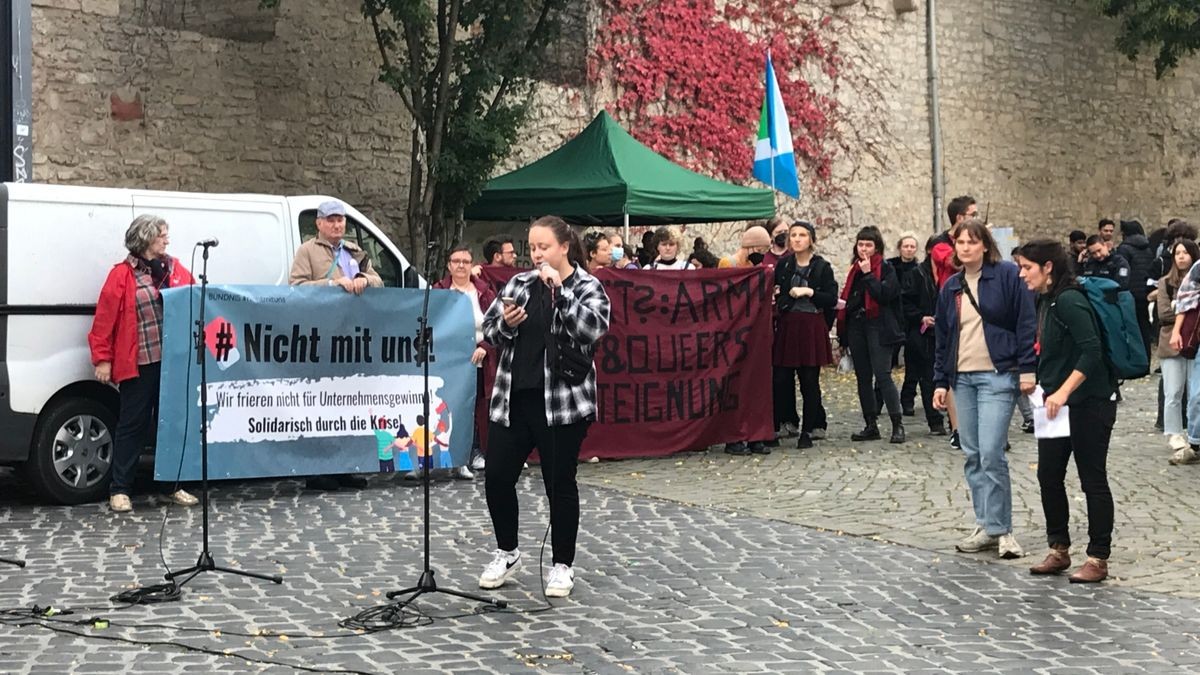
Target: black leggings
784, 382
558, 447
872, 367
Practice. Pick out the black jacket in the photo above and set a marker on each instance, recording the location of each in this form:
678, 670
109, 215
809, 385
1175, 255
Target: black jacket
1135, 249
918, 299
1113, 267
820, 279
886, 292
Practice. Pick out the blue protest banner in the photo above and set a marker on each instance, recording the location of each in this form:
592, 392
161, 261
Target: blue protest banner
312, 381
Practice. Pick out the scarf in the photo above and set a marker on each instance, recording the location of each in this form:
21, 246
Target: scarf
872, 306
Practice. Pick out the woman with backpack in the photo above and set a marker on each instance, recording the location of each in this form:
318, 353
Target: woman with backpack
985, 327
1077, 382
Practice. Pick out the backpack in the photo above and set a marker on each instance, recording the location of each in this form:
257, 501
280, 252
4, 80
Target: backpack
1120, 334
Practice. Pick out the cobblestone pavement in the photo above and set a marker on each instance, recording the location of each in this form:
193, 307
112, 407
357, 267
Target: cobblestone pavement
663, 587
915, 494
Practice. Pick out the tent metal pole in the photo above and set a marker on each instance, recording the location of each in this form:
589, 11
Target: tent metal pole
625, 236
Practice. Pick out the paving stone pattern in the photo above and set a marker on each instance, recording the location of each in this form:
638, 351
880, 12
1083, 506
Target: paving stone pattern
915, 493
662, 587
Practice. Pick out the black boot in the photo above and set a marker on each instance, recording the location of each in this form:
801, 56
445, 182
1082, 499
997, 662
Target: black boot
937, 427
804, 442
869, 432
897, 429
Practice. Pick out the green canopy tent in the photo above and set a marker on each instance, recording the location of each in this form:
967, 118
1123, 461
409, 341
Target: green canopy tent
604, 176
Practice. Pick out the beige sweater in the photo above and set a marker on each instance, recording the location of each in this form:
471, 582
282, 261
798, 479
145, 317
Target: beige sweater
973, 355
311, 267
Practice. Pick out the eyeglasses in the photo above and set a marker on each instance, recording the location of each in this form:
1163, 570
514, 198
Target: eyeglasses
460, 262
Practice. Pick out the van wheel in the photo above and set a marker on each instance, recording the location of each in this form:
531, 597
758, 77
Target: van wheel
72, 454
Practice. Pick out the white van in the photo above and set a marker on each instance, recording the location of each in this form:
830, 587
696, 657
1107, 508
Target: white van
57, 245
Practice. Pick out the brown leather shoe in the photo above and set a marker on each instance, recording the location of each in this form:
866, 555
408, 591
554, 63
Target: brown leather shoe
1056, 562
1093, 571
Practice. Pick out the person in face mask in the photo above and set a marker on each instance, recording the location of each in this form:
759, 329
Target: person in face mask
621, 259
755, 244
779, 242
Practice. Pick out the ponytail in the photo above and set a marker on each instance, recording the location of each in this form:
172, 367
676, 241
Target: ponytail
564, 234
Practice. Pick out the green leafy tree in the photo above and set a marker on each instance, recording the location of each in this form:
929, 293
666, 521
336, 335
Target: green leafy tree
465, 70
1170, 26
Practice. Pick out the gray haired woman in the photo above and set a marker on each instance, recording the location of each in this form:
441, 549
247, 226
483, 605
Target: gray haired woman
126, 345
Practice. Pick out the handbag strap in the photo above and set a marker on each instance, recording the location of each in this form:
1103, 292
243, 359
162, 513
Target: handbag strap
966, 288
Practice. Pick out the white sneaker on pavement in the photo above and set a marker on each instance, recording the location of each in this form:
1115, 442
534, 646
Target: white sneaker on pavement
978, 541
464, 473
120, 504
1183, 456
1177, 442
1009, 548
182, 498
560, 581
477, 462
502, 566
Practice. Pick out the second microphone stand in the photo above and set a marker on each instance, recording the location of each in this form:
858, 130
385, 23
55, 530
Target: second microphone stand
205, 563
426, 583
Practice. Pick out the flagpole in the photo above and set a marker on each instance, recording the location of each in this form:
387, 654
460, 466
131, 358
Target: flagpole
770, 116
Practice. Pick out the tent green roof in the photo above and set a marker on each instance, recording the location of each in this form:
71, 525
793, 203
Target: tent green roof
604, 174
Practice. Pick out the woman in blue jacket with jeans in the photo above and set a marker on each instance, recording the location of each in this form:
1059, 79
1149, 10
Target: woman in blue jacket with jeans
986, 324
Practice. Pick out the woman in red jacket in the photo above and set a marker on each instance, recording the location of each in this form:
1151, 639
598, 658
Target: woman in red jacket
126, 344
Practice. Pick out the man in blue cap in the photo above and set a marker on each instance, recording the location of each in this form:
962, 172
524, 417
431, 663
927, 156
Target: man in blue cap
328, 259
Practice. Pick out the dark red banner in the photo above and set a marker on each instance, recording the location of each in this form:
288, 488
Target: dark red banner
686, 362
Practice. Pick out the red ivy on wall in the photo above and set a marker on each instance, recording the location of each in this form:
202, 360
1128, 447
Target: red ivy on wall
688, 78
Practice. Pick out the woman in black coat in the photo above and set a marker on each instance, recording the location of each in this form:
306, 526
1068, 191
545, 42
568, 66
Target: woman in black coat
807, 297
871, 324
918, 295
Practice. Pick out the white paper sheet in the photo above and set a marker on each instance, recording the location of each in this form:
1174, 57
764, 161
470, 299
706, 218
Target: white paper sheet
1059, 427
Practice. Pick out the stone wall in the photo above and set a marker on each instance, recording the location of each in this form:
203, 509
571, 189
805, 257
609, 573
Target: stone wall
1042, 118
217, 95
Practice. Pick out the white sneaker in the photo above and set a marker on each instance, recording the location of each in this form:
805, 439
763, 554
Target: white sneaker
560, 581
464, 473
978, 541
503, 565
120, 504
791, 430
1177, 442
1009, 548
182, 498
477, 462
1183, 456
817, 434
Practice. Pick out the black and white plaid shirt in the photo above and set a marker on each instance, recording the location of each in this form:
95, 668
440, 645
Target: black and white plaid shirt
580, 314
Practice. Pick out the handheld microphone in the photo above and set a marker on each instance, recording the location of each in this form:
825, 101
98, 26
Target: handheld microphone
211, 241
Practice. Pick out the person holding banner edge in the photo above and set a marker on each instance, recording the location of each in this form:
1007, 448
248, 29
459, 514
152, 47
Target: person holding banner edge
481, 295
126, 345
545, 325
328, 259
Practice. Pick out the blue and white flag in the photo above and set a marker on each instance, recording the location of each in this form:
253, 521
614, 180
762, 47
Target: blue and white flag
774, 159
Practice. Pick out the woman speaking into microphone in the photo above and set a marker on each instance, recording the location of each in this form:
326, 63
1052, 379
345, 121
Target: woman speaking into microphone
545, 323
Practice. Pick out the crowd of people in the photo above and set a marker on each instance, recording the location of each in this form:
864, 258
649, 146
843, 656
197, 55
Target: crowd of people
979, 338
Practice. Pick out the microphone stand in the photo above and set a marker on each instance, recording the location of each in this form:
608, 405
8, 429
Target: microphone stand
426, 583
205, 563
